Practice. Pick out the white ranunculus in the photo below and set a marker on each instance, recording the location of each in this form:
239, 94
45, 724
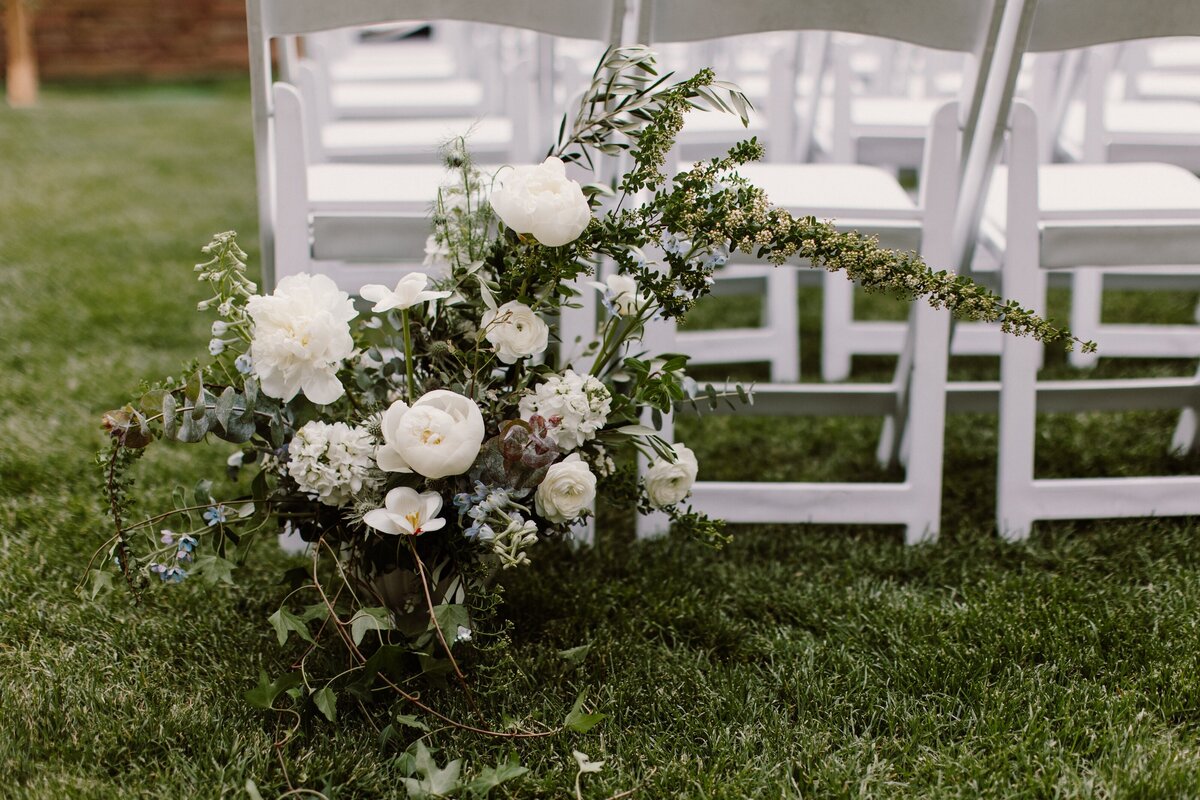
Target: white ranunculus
436, 436
514, 331
406, 512
543, 201
301, 336
568, 490
667, 483
409, 291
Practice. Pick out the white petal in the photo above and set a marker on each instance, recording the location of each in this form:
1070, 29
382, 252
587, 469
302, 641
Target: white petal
382, 521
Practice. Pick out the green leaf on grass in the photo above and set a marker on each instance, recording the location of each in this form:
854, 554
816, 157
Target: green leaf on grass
263, 695
580, 722
284, 621
326, 702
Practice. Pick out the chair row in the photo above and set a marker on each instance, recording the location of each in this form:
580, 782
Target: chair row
1024, 224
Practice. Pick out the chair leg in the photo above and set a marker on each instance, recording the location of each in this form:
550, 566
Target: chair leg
782, 316
1018, 418
837, 308
1087, 291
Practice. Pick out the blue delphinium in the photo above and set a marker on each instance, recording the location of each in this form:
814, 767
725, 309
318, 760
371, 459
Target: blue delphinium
215, 515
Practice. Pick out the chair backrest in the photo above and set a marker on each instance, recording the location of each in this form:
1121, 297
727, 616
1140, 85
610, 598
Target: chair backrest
1041, 26
283, 20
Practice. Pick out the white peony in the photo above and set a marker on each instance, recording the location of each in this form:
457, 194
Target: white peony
514, 331
409, 291
568, 490
406, 512
667, 483
438, 435
543, 201
301, 336
575, 406
331, 462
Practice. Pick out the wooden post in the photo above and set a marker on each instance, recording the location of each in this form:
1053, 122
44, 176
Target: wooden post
21, 82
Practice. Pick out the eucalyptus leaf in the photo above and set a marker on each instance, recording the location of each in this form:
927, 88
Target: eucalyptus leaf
224, 406
169, 421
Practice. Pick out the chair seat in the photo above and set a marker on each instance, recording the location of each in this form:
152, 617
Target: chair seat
854, 196
1107, 214
1168, 85
387, 138
1140, 117
394, 62
417, 98
406, 188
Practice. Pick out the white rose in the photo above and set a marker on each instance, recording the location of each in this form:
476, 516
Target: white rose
514, 331
542, 201
667, 483
301, 336
568, 489
438, 435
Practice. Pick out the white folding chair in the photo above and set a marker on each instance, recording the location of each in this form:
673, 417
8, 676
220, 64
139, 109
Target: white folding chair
336, 218
915, 399
1122, 215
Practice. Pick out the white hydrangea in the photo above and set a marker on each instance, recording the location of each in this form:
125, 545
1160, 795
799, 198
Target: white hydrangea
575, 406
332, 462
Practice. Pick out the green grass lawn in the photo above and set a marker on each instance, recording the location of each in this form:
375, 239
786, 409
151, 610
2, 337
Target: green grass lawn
812, 661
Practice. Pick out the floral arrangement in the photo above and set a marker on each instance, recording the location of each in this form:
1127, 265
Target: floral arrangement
435, 438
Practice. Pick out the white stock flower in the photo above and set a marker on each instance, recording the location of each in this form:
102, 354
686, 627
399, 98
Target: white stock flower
568, 489
301, 336
575, 406
667, 483
409, 291
514, 331
406, 512
543, 201
331, 462
438, 435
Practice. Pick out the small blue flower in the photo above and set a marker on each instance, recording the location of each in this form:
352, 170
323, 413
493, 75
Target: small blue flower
477, 512
187, 543
243, 364
480, 531
676, 244
215, 515
216, 347
173, 575
184, 555
158, 568
168, 536
716, 258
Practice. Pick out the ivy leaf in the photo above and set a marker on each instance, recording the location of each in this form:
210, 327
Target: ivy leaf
434, 781
369, 619
575, 655
284, 621
492, 777
263, 695
102, 581
580, 722
409, 721
326, 702
450, 617
214, 569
